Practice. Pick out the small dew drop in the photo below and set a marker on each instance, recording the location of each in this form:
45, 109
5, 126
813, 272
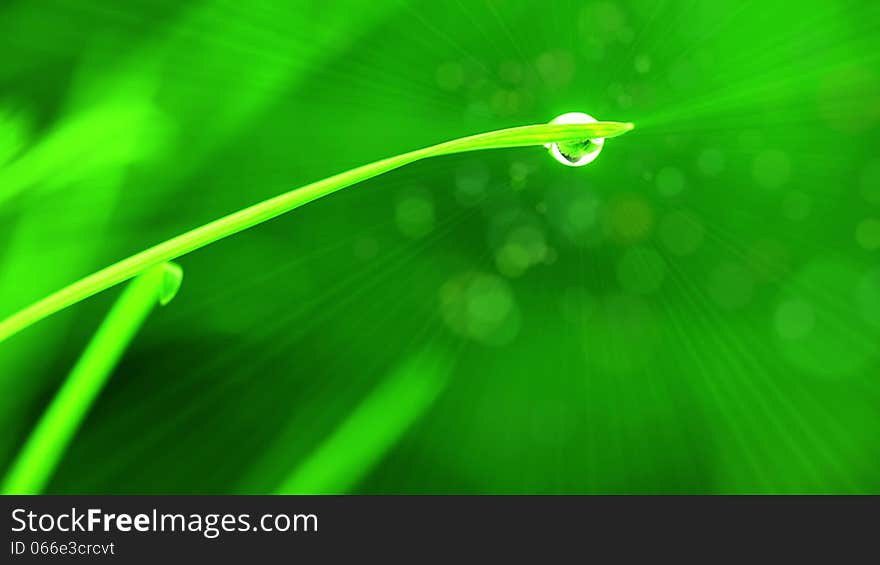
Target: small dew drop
577, 153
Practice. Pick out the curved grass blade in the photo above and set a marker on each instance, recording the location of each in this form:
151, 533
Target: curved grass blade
372, 428
38, 458
273, 207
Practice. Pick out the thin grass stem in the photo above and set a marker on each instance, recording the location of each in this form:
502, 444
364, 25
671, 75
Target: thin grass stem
273, 207
36, 462
372, 428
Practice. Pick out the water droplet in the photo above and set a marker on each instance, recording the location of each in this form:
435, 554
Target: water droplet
414, 213
576, 153
480, 306
772, 168
794, 319
670, 181
868, 234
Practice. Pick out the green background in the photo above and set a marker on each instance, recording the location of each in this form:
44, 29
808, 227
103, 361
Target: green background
696, 311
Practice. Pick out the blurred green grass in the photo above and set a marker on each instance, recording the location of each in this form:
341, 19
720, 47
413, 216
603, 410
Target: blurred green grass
696, 311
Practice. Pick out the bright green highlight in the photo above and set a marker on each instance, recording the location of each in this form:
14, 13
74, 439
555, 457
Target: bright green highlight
372, 429
273, 207
39, 457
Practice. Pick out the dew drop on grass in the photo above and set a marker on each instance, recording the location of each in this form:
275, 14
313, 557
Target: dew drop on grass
576, 153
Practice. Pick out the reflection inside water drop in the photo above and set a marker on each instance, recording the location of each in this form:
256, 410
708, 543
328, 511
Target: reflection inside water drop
576, 153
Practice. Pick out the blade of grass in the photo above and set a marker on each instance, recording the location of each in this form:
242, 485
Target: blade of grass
273, 207
372, 428
38, 458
